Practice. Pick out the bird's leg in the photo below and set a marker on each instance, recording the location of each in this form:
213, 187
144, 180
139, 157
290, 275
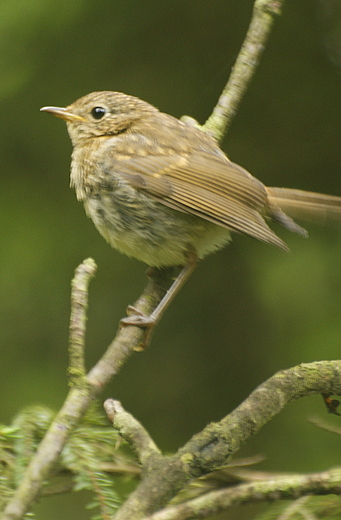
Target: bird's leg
149, 322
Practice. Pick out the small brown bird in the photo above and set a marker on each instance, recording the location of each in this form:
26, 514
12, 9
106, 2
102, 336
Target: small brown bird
163, 191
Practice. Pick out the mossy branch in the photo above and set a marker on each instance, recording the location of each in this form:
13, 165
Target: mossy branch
131, 430
276, 488
215, 445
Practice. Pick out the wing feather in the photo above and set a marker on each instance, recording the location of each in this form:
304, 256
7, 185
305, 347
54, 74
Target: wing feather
210, 187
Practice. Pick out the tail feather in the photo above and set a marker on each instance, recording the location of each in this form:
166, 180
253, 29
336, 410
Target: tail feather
305, 202
305, 205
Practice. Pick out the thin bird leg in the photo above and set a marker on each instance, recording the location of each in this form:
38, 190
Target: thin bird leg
149, 322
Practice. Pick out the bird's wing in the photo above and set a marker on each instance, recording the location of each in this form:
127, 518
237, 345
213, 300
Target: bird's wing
202, 184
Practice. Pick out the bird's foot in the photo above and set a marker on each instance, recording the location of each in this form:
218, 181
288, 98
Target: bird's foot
139, 319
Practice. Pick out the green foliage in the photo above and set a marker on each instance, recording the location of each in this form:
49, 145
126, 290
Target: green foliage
89, 446
93, 458
30, 426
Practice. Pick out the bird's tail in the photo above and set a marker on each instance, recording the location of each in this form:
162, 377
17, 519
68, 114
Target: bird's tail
286, 204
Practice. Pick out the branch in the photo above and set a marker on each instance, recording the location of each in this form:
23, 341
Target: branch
284, 487
131, 430
213, 447
87, 388
79, 303
264, 14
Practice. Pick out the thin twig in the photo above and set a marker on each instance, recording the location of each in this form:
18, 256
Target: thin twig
297, 508
264, 14
79, 304
78, 400
131, 430
277, 488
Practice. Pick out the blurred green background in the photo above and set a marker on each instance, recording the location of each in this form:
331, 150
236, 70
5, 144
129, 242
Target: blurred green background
249, 310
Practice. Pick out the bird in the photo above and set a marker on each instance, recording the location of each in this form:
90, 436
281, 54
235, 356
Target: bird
161, 190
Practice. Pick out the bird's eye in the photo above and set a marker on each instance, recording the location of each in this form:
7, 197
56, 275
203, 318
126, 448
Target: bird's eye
98, 112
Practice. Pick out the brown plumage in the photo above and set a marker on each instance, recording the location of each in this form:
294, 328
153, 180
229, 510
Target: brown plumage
158, 189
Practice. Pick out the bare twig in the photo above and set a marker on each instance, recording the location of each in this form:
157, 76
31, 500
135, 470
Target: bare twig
81, 395
79, 303
264, 13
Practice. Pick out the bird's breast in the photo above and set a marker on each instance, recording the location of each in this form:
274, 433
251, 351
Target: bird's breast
144, 229
133, 222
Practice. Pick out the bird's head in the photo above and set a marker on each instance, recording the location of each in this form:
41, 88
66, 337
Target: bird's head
101, 114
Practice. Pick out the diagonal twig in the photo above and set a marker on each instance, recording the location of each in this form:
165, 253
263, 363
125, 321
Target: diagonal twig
264, 14
82, 394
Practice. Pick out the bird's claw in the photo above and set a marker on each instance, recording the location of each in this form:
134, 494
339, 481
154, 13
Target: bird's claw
139, 319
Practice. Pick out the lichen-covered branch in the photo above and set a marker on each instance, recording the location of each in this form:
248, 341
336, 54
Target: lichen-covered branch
213, 447
131, 430
277, 488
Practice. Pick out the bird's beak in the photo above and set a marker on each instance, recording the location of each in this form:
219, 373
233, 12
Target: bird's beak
63, 113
